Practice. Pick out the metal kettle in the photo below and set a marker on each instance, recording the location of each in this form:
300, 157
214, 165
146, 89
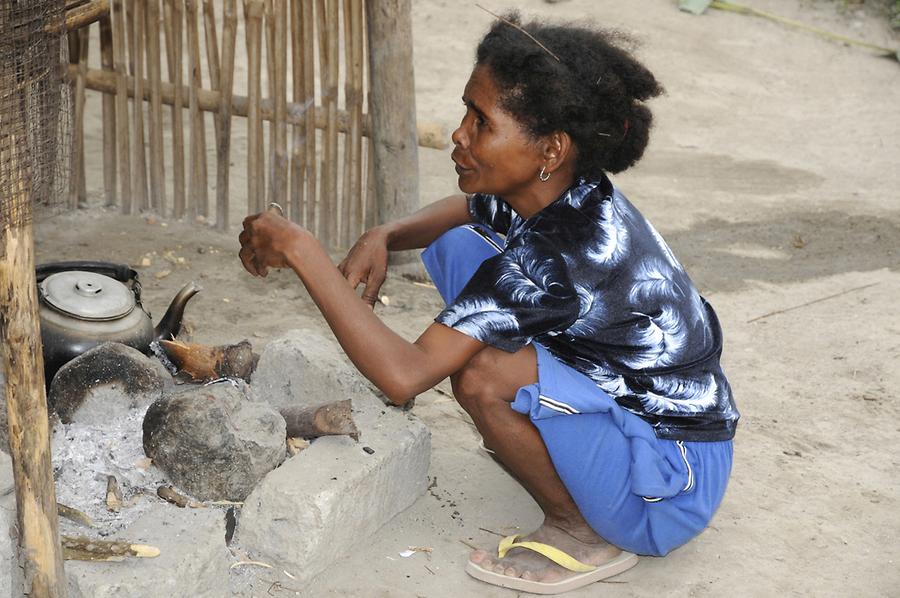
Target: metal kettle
83, 304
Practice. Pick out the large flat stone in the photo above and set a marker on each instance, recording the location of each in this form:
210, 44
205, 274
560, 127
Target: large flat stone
193, 558
323, 502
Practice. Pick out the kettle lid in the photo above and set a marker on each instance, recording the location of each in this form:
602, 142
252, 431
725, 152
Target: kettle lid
87, 295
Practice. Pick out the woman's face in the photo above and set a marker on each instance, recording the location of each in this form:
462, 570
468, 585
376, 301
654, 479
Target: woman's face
492, 153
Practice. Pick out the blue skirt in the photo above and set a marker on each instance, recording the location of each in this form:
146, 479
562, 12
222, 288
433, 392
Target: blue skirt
641, 493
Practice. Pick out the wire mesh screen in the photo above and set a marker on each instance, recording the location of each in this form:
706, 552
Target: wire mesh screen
33, 109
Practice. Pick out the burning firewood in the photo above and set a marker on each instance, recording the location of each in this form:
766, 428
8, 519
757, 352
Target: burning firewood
320, 420
88, 549
203, 363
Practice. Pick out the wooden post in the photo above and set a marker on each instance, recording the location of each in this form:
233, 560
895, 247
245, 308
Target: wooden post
353, 93
199, 190
78, 41
122, 121
269, 40
139, 178
393, 111
174, 10
344, 232
154, 68
255, 171
212, 50
330, 205
280, 161
298, 132
356, 116
107, 59
21, 359
223, 145
309, 104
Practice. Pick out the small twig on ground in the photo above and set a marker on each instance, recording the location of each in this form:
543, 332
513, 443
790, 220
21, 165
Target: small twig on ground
225, 503
746, 10
75, 515
469, 544
819, 300
251, 564
490, 531
429, 570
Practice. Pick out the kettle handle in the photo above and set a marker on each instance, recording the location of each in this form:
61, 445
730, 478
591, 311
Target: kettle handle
120, 272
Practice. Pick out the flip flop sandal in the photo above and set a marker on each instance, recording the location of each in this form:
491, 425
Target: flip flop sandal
586, 574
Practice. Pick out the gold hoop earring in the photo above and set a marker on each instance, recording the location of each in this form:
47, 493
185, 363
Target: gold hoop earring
544, 177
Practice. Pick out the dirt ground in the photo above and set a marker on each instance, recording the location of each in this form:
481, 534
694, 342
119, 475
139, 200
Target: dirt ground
773, 173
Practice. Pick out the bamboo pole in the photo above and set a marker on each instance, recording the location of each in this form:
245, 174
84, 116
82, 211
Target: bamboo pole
21, 359
269, 40
355, 108
344, 233
80, 16
139, 177
121, 95
157, 199
330, 203
198, 188
370, 203
351, 203
107, 59
309, 111
129, 30
208, 101
78, 42
223, 145
212, 50
174, 10
279, 189
393, 106
298, 142
255, 180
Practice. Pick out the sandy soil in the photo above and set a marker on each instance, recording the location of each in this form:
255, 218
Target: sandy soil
773, 173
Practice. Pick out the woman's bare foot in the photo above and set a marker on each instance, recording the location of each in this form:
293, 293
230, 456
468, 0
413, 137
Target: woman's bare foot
582, 544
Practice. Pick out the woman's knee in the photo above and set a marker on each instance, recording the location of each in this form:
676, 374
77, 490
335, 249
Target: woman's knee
474, 385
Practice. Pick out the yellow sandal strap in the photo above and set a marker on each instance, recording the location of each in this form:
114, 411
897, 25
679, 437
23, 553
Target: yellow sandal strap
554, 554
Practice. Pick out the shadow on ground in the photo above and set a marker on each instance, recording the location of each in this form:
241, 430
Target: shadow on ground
791, 247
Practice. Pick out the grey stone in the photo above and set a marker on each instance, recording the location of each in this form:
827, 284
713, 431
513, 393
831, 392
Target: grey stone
193, 558
324, 501
305, 367
107, 382
10, 583
212, 441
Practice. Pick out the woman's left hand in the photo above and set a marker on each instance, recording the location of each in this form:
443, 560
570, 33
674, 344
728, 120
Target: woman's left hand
265, 242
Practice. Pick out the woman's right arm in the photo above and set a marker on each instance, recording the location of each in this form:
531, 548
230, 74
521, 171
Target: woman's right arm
367, 260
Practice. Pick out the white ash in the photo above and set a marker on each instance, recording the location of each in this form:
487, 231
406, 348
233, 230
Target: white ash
85, 454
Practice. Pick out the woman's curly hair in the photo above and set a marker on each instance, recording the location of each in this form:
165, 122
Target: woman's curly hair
594, 92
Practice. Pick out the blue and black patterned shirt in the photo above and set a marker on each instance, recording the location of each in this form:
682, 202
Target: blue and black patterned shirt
589, 278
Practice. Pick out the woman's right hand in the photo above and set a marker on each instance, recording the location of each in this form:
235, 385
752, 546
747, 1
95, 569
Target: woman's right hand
366, 263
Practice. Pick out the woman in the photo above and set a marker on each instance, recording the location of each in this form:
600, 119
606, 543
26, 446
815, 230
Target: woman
579, 346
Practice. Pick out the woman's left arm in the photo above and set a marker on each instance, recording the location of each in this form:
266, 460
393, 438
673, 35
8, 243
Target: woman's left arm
399, 368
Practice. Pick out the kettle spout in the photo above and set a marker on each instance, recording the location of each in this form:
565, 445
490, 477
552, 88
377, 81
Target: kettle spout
170, 325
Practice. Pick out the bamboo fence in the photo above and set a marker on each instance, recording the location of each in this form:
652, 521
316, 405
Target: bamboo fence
305, 143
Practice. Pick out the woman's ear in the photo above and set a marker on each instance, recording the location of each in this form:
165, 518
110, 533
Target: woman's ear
558, 150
